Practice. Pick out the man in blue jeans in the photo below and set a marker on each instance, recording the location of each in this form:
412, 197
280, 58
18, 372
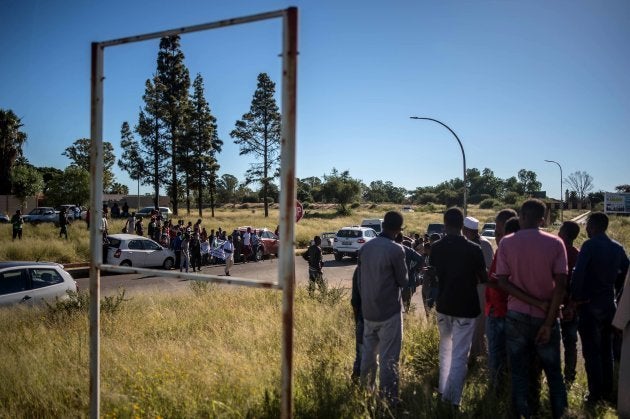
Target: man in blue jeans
600, 270
532, 269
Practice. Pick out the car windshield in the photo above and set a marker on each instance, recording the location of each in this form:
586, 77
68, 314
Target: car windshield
328, 235
350, 234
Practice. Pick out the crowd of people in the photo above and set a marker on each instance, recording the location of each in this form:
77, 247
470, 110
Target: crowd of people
520, 306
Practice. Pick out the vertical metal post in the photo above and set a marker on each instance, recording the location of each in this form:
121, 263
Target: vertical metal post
96, 211
286, 271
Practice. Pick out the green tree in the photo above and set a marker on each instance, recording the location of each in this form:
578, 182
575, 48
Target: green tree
342, 189
581, 183
202, 144
79, 154
153, 145
47, 174
227, 185
528, 181
12, 138
258, 133
118, 188
72, 186
130, 160
625, 188
173, 76
26, 181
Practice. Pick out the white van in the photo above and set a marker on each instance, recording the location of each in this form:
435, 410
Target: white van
375, 224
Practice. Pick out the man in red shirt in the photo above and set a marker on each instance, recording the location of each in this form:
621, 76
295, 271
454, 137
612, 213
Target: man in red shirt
495, 309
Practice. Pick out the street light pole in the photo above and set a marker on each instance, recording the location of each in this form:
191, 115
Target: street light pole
463, 155
561, 190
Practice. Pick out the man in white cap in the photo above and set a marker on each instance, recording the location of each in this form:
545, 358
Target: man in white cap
471, 232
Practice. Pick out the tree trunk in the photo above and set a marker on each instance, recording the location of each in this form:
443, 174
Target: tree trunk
174, 170
265, 179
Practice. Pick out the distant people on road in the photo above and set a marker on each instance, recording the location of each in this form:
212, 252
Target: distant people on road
383, 274
185, 264
17, 221
532, 268
228, 249
63, 223
313, 256
414, 262
598, 276
460, 267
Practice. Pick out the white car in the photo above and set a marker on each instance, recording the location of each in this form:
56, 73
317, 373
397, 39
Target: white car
349, 240
146, 212
31, 283
138, 251
328, 241
488, 234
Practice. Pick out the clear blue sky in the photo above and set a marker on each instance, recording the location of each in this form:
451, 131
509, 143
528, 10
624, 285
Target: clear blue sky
518, 81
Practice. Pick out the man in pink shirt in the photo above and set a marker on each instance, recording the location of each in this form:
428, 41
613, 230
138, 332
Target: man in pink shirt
532, 268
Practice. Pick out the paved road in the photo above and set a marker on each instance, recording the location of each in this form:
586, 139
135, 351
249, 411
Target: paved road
336, 273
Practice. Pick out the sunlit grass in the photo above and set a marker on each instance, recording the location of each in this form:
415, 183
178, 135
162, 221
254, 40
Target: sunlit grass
215, 351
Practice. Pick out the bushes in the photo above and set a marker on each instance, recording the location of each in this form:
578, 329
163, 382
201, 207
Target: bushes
488, 203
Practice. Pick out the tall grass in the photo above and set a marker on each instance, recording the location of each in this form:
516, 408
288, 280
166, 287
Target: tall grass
215, 352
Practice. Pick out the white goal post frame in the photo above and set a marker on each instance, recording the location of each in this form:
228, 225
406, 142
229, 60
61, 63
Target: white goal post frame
286, 253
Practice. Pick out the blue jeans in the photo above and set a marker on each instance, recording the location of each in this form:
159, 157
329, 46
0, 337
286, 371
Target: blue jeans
596, 333
520, 331
497, 352
569, 341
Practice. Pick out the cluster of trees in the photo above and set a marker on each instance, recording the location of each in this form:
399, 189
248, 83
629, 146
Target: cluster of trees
176, 151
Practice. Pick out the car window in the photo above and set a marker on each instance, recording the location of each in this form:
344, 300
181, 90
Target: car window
113, 242
45, 277
150, 245
13, 281
135, 245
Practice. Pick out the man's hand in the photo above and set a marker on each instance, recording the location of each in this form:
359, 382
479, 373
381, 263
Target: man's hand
544, 334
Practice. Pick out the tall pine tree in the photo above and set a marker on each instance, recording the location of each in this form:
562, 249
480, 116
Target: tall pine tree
173, 75
258, 133
203, 144
130, 161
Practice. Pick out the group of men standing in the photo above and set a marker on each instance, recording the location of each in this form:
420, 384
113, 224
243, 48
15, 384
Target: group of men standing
534, 281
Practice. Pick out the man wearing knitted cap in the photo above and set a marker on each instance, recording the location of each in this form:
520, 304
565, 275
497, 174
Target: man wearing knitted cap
383, 272
471, 232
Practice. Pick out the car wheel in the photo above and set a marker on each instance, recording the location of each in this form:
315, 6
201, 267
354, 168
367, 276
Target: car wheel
125, 263
168, 263
338, 257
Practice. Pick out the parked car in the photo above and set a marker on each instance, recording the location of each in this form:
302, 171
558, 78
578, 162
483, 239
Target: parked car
349, 240
138, 251
42, 215
407, 209
489, 226
328, 240
146, 212
435, 228
375, 224
488, 234
32, 283
4, 218
267, 244
72, 211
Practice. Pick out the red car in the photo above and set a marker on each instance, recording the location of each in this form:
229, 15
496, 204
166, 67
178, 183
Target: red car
267, 242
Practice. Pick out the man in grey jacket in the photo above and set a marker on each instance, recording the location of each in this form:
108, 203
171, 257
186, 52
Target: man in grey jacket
383, 273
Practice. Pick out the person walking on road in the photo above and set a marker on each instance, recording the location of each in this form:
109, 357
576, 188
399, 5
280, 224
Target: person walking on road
228, 249
315, 261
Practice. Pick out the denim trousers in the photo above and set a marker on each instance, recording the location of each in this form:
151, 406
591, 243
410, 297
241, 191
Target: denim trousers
456, 335
569, 331
497, 352
521, 330
595, 327
385, 339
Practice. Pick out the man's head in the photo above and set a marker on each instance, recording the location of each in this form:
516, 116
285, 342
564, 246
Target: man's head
512, 225
392, 223
532, 213
18, 212
500, 219
596, 223
453, 220
317, 240
471, 228
569, 231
